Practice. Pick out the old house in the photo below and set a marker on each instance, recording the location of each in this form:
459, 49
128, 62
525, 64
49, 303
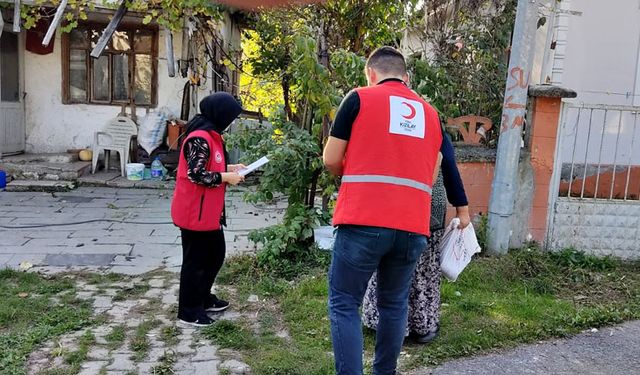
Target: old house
55, 98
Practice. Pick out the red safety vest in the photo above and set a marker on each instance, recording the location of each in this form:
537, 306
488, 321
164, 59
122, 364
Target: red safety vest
389, 162
197, 207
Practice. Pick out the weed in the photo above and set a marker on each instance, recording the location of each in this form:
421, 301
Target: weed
116, 337
228, 334
27, 298
481, 224
165, 365
109, 278
169, 334
131, 292
139, 342
524, 296
76, 358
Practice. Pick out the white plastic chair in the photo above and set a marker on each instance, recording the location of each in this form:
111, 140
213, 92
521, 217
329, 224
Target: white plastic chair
116, 136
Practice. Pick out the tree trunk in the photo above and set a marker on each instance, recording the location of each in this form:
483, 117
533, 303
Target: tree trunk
286, 91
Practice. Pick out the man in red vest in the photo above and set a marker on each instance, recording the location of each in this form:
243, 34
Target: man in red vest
385, 143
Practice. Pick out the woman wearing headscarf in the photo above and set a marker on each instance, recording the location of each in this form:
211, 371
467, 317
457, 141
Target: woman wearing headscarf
424, 295
198, 206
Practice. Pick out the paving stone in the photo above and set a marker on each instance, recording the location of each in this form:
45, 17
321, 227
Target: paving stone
98, 354
170, 297
236, 367
156, 282
121, 362
92, 367
4, 259
156, 353
134, 270
79, 259
84, 294
145, 368
208, 367
184, 368
102, 302
174, 261
184, 348
99, 333
205, 353
154, 293
34, 259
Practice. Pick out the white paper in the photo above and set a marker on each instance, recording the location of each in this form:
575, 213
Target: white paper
253, 166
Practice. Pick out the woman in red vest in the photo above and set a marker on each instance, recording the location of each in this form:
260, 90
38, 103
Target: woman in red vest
198, 206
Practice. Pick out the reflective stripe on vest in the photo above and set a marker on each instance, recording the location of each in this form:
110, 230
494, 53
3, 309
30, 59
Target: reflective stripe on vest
388, 180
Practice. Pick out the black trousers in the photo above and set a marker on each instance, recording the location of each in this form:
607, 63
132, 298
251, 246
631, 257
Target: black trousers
202, 257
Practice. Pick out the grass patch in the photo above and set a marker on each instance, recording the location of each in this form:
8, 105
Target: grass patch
75, 358
244, 274
140, 342
231, 335
524, 296
29, 317
169, 334
109, 278
165, 364
116, 337
131, 292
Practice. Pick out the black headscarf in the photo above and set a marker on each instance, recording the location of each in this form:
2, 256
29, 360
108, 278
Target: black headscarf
217, 112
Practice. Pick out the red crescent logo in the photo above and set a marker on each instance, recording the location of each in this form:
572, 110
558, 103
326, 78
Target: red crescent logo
413, 111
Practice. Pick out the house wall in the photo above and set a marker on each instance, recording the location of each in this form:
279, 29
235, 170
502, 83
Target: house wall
600, 61
597, 55
55, 127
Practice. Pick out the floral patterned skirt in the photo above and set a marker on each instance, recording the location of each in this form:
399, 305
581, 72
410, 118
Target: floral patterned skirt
424, 295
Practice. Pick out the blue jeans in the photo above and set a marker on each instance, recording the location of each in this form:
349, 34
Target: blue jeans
358, 252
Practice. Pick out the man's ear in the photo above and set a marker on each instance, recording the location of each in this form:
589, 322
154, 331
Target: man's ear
407, 79
372, 76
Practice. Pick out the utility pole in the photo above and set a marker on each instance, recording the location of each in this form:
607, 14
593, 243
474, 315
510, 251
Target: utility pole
505, 180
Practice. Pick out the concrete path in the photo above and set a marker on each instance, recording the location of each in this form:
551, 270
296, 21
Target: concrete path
125, 231
138, 334
608, 351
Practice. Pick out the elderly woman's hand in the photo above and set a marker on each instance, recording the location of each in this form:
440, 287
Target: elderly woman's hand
462, 213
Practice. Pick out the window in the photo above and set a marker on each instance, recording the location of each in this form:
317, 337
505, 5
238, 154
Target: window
9, 68
125, 72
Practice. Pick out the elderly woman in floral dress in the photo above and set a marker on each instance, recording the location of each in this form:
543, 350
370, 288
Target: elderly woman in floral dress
424, 296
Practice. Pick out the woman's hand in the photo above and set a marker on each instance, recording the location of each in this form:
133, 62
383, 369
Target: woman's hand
232, 178
462, 213
235, 167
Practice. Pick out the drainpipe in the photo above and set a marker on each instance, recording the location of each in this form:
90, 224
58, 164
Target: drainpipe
505, 180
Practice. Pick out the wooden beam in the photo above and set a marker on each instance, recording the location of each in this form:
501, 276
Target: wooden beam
171, 61
16, 16
54, 24
109, 30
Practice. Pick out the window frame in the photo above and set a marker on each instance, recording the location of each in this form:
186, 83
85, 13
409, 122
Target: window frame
128, 27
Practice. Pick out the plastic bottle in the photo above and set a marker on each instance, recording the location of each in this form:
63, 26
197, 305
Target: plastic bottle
156, 169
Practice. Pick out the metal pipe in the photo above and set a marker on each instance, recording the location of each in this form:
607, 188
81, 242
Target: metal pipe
16, 16
1, 28
109, 30
573, 156
615, 157
171, 62
505, 181
586, 154
633, 140
604, 128
54, 24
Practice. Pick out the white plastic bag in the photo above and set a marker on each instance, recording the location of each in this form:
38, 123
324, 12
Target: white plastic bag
152, 129
325, 237
457, 246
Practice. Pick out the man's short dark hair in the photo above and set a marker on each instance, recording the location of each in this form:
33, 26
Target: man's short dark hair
388, 61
